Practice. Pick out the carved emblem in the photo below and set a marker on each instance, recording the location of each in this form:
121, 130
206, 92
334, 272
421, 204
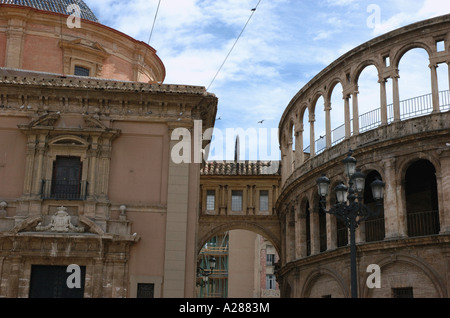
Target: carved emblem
61, 222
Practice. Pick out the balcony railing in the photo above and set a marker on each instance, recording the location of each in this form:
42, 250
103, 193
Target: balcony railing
423, 223
375, 230
64, 189
409, 108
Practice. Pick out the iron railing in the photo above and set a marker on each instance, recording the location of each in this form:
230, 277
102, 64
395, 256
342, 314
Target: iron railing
375, 230
409, 108
64, 189
423, 223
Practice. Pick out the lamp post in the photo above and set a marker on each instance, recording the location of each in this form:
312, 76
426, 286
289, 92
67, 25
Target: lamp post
350, 208
205, 273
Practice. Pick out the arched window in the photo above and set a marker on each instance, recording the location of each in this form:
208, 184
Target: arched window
374, 225
421, 199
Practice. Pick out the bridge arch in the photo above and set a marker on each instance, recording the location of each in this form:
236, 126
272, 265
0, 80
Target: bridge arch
248, 226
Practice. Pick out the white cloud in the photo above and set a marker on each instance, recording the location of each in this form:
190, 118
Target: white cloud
286, 43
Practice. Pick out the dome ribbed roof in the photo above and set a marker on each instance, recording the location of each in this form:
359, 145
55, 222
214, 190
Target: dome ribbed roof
58, 6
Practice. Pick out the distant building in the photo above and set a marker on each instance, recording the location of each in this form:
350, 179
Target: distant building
239, 193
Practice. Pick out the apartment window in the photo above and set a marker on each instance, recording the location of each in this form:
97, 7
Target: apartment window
81, 71
264, 200
145, 290
210, 200
270, 259
406, 292
271, 282
236, 200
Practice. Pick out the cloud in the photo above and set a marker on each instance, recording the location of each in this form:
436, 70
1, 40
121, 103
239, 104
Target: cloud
286, 43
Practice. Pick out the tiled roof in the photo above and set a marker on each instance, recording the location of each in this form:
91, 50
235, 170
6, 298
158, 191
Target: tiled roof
58, 6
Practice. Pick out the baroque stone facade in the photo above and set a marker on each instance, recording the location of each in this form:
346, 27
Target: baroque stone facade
87, 175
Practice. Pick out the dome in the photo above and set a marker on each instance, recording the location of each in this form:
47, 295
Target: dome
58, 6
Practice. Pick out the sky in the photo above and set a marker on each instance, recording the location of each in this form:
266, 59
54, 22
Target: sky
256, 61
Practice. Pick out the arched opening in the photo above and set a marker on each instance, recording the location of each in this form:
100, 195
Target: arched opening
374, 225
337, 116
290, 235
244, 266
444, 86
415, 84
320, 126
421, 199
306, 134
369, 99
292, 148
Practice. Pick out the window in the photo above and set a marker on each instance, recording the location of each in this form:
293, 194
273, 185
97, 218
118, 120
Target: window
81, 71
210, 200
264, 200
270, 259
271, 282
66, 183
422, 208
145, 290
406, 292
236, 200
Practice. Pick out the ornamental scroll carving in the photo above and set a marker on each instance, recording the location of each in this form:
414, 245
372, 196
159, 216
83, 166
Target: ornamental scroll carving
61, 222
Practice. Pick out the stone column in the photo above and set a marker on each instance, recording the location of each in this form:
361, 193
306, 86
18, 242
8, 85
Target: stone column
331, 228
289, 157
284, 173
29, 165
394, 212
92, 157
355, 113
299, 157
315, 233
448, 64
38, 168
443, 183
383, 100
328, 123
303, 251
300, 232
312, 138
348, 130
396, 96
435, 88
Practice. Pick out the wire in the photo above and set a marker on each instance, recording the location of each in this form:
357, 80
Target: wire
154, 21
232, 48
151, 32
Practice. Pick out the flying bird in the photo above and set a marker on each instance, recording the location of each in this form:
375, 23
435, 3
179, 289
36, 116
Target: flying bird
220, 118
260, 122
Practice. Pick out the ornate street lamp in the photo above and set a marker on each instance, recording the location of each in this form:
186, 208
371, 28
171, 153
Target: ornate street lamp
350, 208
205, 273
